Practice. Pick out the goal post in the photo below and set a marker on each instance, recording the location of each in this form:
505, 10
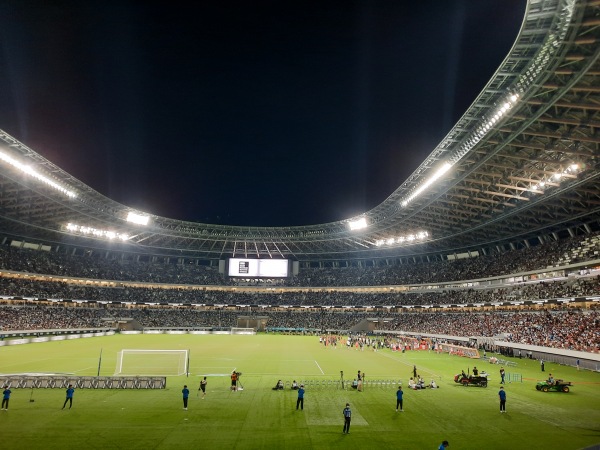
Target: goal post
152, 362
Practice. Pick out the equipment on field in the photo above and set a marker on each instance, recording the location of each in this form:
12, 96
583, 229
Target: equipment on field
240, 386
556, 386
471, 380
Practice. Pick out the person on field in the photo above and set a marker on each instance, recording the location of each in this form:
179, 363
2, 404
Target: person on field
300, 401
502, 397
186, 394
234, 378
5, 398
70, 391
399, 396
347, 418
203, 387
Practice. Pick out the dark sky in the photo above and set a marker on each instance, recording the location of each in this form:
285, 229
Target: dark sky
254, 112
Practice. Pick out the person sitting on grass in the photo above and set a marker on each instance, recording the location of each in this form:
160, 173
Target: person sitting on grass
295, 385
412, 384
354, 384
278, 386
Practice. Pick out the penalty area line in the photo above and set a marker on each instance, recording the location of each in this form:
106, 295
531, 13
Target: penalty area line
323, 373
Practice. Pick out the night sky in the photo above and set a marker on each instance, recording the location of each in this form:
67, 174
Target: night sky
266, 113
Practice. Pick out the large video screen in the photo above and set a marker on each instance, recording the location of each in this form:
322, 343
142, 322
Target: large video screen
268, 268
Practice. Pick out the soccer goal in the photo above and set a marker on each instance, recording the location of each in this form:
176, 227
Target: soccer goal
152, 362
238, 330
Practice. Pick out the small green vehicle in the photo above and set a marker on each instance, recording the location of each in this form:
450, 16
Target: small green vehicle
557, 386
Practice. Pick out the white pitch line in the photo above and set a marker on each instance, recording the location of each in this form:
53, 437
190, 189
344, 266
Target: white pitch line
319, 367
83, 370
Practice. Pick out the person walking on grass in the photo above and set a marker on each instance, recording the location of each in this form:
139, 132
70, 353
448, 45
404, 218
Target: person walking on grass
234, 379
70, 391
5, 398
186, 393
502, 397
203, 384
300, 401
347, 417
399, 395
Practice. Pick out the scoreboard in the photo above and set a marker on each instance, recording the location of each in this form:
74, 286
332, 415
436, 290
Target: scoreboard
267, 268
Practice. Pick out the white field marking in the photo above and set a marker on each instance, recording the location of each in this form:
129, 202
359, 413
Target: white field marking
87, 368
319, 367
213, 375
295, 360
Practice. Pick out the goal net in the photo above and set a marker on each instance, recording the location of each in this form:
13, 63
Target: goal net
152, 362
237, 330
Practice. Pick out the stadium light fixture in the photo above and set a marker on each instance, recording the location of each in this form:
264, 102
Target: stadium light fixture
90, 231
138, 219
570, 172
358, 224
437, 175
409, 238
35, 174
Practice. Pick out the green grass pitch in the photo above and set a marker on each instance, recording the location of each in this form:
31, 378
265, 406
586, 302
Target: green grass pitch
260, 418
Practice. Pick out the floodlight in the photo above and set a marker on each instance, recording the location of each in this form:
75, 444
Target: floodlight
137, 218
38, 176
81, 229
358, 224
438, 174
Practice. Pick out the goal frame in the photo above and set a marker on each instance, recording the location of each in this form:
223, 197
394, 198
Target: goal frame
183, 361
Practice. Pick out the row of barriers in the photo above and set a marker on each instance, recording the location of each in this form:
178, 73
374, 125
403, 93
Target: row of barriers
63, 381
347, 384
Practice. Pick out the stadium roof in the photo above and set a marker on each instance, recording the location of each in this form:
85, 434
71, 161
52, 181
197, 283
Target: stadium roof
521, 162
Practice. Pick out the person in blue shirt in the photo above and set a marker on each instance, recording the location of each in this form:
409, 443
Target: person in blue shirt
399, 395
5, 398
300, 401
502, 396
70, 392
347, 417
186, 393
443, 445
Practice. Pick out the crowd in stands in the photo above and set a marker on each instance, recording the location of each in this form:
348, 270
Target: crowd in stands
173, 271
576, 287
571, 329
96, 267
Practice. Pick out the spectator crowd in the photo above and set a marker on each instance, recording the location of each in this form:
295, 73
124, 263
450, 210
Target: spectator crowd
205, 297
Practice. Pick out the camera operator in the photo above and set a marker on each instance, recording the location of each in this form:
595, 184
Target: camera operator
234, 380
